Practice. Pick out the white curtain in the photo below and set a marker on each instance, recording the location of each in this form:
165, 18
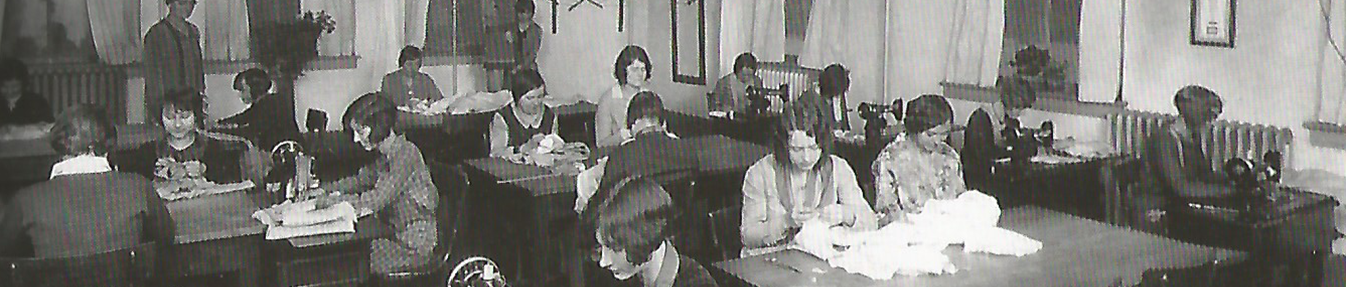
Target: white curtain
223, 25
416, 17
853, 34
114, 25
1100, 35
1332, 96
382, 33
756, 26
341, 42
974, 53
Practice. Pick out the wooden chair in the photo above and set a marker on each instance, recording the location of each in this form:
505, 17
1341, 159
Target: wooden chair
128, 267
724, 225
450, 216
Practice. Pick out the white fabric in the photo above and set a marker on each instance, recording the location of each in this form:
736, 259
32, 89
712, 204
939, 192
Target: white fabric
113, 25
916, 247
974, 53
1100, 35
223, 26
473, 102
1331, 103
756, 26
80, 165
586, 183
298, 219
341, 42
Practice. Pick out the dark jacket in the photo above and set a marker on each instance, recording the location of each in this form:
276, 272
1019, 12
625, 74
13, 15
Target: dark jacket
651, 154
270, 120
82, 214
979, 150
31, 108
222, 159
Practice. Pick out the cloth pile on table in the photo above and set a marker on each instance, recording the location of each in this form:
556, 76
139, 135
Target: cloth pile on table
24, 132
475, 102
551, 151
916, 247
1328, 183
296, 219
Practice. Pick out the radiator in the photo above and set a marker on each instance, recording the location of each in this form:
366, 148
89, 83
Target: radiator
67, 85
1224, 140
800, 79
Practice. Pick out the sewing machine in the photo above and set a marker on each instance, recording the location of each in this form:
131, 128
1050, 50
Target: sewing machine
760, 99
1023, 143
1255, 183
297, 178
874, 120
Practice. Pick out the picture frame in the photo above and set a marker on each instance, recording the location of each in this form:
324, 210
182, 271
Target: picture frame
1213, 23
689, 41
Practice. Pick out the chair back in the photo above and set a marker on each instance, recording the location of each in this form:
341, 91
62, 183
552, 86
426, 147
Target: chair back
724, 225
130, 267
317, 121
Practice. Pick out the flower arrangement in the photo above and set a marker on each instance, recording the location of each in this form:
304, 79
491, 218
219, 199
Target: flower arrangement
1036, 65
288, 46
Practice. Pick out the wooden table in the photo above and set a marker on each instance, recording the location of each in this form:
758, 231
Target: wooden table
1076, 187
532, 204
216, 234
456, 137
1075, 252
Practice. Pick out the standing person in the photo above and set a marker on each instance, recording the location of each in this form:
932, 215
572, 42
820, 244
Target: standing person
632, 71
172, 57
526, 37
18, 104
86, 207
408, 82
731, 91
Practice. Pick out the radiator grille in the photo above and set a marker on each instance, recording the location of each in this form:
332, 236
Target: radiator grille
1224, 140
67, 85
800, 79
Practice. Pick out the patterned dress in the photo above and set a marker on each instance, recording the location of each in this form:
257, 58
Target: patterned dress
906, 175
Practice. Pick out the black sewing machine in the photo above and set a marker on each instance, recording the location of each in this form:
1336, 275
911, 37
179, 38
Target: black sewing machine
874, 121
1023, 143
759, 98
1255, 182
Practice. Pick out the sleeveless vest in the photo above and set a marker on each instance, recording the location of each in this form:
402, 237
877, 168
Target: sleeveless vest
520, 134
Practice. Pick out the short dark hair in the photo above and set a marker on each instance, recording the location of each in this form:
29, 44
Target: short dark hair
745, 61
256, 80
803, 116
83, 129
1016, 93
926, 112
188, 101
524, 6
374, 111
11, 69
1194, 94
636, 218
645, 105
522, 81
833, 80
629, 55
409, 53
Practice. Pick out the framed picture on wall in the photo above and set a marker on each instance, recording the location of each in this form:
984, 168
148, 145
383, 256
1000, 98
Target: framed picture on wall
1213, 23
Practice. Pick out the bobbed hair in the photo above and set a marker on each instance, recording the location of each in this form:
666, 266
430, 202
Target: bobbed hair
374, 111
629, 55
636, 218
84, 129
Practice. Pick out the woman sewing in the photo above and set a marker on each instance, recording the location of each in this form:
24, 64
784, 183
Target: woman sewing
920, 165
186, 148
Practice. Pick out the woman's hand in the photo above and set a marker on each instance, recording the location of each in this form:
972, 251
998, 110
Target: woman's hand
836, 214
801, 215
326, 200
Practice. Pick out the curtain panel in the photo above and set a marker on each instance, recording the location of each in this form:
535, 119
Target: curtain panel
1332, 81
756, 26
223, 25
978, 32
114, 28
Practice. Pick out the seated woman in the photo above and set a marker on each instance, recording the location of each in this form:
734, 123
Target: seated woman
799, 181
186, 144
268, 118
731, 91
1177, 168
985, 141
653, 152
408, 82
524, 120
920, 165
634, 233
830, 98
396, 186
86, 207
18, 105
632, 71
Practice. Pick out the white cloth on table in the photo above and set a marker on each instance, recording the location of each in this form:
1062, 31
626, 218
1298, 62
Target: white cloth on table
586, 183
298, 219
475, 102
915, 247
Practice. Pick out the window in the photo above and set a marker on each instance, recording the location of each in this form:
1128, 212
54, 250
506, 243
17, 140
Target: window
1053, 25
796, 26
46, 31
456, 27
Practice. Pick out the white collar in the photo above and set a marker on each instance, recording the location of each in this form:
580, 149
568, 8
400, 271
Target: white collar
83, 164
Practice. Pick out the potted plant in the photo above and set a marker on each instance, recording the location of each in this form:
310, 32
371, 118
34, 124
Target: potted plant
1035, 66
290, 45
